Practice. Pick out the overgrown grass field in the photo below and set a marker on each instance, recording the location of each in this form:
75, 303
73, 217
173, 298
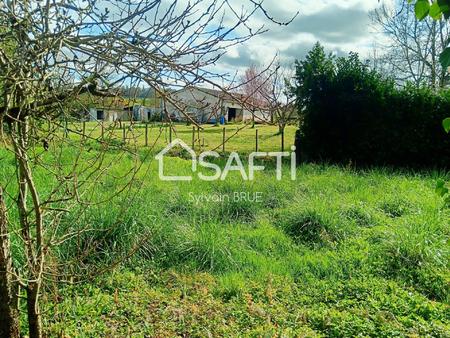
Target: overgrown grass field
339, 252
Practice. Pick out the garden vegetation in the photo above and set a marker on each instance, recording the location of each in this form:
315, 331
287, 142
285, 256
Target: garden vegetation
351, 114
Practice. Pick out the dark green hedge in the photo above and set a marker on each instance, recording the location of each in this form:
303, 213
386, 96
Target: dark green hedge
351, 114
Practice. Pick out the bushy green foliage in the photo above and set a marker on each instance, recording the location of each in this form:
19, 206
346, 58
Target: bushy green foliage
170, 304
351, 114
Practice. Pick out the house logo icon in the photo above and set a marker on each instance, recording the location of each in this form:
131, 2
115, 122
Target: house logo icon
162, 153
233, 163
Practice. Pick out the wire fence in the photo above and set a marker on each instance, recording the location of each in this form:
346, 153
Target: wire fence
221, 138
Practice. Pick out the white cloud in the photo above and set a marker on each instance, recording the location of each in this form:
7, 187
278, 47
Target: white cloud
341, 27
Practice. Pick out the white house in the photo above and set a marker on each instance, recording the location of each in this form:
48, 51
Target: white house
110, 114
127, 113
205, 105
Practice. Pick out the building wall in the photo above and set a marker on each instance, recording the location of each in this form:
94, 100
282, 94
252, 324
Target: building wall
109, 115
204, 107
199, 105
260, 116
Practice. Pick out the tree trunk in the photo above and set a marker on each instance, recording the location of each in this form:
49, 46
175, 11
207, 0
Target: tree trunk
9, 315
33, 244
434, 82
34, 315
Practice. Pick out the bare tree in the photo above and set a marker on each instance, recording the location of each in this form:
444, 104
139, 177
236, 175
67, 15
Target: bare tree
9, 325
268, 91
255, 87
412, 47
62, 52
281, 101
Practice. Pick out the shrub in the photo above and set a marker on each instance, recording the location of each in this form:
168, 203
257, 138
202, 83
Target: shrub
351, 114
394, 207
308, 227
361, 215
206, 246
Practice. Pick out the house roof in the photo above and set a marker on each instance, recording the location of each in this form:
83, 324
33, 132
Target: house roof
229, 96
108, 103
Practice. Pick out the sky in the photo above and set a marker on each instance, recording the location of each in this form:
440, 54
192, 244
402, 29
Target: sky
341, 26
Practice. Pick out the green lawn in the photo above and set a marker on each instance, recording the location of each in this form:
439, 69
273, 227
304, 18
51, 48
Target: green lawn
337, 253
240, 137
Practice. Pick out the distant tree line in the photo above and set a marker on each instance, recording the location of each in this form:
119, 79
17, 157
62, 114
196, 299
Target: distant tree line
410, 49
137, 92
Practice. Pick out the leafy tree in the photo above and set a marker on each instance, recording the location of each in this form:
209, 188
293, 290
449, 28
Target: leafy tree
350, 113
311, 75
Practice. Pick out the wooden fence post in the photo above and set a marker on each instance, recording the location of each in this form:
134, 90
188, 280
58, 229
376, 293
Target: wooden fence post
146, 134
170, 133
198, 135
256, 140
193, 138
